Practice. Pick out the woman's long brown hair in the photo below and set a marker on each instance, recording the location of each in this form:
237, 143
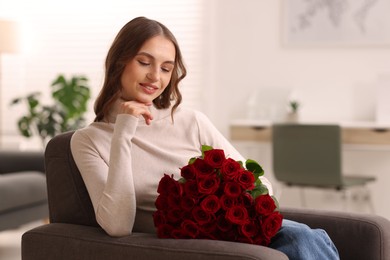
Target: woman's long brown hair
124, 48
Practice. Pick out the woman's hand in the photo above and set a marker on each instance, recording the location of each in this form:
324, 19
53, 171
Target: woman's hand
136, 109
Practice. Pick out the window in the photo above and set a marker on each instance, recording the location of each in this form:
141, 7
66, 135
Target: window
73, 37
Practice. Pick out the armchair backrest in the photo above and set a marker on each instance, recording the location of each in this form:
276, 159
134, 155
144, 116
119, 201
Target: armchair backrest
68, 197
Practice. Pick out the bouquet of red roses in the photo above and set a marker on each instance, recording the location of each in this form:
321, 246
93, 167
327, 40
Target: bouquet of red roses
217, 198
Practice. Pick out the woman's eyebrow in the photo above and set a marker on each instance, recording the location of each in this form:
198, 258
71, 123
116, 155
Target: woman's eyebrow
153, 58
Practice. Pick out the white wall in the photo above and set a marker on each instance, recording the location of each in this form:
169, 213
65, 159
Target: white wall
332, 83
335, 83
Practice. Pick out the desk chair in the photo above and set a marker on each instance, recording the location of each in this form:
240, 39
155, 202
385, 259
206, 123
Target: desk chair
307, 155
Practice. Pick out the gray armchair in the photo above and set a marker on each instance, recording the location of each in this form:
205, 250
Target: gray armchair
74, 234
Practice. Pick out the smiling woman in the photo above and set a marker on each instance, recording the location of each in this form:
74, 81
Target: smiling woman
53, 44
147, 76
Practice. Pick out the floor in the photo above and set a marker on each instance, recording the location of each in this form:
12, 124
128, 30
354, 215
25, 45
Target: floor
10, 241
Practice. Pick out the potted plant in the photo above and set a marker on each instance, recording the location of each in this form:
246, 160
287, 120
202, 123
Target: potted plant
293, 111
70, 98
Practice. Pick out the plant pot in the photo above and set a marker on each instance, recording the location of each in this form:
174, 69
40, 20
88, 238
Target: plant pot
292, 117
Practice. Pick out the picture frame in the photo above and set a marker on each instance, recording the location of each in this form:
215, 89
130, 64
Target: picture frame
335, 23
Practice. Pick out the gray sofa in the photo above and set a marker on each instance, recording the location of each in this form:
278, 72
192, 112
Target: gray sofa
74, 234
23, 195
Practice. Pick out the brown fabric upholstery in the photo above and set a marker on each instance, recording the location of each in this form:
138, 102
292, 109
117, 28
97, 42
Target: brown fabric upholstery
74, 233
69, 201
76, 242
356, 236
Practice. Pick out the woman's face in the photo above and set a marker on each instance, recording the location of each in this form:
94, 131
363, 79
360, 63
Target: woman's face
147, 75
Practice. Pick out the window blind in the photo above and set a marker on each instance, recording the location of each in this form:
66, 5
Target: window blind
72, 38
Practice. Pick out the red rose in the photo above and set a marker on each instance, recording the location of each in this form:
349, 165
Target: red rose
214, 157
159, 218
161, 202
210, 204
202, 168
179, 233
249, 229
230, 169
271, 225
237, 215
247, 200
201, 216
264, 205
174, 215
168, 185
260, 239
187, 203
164, 231
208, 184
188, 172
190, 228
230, 235
208, 229
223, 224
174, 201
226, 202
246, 179
232, 189
213, 200
191, 189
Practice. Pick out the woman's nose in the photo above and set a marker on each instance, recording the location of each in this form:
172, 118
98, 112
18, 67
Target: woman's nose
153, 75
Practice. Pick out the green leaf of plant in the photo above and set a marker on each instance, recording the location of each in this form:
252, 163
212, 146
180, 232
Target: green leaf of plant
192, 160
276, 202
259, 190
253, 166
258, 182
24, 126
72, 94
241, 163
206, 148
70, 104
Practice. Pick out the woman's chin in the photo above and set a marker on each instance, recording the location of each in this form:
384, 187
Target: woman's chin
147, 101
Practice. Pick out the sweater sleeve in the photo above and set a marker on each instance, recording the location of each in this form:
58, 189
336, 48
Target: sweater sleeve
210, 135
110, 185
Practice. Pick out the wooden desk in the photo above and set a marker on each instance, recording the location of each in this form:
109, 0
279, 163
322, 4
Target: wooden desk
361, 133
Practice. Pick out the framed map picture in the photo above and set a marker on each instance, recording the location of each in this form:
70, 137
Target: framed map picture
335, 22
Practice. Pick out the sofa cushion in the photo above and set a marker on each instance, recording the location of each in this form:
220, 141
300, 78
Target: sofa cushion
22, 189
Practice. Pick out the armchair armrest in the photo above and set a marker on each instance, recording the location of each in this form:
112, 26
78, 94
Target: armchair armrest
69, 241
356, 236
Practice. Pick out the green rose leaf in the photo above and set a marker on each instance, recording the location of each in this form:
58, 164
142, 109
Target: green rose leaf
276, 202
253, 166
259, 190
206, 148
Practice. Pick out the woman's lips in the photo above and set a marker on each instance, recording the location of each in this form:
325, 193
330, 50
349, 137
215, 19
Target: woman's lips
149, 88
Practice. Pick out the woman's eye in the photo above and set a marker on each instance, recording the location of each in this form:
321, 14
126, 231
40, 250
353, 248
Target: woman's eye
143, 63
165, 69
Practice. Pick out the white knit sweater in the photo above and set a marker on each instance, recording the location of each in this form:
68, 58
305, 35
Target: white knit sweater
122, 162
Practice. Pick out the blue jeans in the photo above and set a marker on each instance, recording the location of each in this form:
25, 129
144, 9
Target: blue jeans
298, 241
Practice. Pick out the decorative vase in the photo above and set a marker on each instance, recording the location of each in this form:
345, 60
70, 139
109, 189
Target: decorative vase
292, 117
